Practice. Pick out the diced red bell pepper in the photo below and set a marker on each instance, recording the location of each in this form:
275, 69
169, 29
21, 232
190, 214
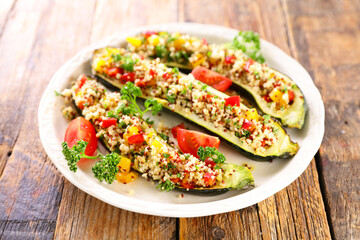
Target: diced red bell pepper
175, 129
267, 98
175, 180
248, 125
152, 72
205, 42
112, 72
209, 162
232, 101
187, 185
166, 76
291, 95
108, 122
137, 138
230, 60
82, 80
149, 33
248, 64
208, 179
140, 83
128, 77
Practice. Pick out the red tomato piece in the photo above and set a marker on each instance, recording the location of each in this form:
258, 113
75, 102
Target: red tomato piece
189, 141
230, 60
248, 125
107, 122
113, 71
232, 101
82, 80
81, 129
128, 77
248, 64
209, 162
211, 78
208, 179
175, 129
291, 95
137, 138
149, 33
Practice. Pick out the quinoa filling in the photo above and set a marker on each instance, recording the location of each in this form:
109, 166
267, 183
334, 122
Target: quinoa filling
156, 80
191, 52
133, 137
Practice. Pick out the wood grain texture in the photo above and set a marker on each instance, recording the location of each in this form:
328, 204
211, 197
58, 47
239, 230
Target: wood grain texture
330, 39
30, 186
296, 212
103, 221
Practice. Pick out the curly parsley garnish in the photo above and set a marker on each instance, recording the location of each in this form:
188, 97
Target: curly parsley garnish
74, 154
249, 43
210, 152
105, 169
130, 92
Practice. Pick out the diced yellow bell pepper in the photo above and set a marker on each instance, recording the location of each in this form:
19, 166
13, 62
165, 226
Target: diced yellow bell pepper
200, 59
136, 42
126, 177
178, 43
157, 145
151, 134
99, 64
251, 114
153, 40
276, 95
124, 165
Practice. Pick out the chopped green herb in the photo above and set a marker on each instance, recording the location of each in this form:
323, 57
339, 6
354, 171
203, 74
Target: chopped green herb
204, 87
175, 70
171, 98
246, 133
209, 54
210, 152
164, 136
266, 118
128, 64
116, 57
249, 43
293, 86
57, 93
178, 175
166, 186
165, 155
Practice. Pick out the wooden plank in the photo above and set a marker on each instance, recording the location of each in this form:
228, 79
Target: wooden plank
30, 186
291, 213
82, 216
328, 32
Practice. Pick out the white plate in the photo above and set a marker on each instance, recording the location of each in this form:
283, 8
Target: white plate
270, 177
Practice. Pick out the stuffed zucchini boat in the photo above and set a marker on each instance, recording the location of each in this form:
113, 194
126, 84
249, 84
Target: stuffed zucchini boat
275, 93
126, 133
257, 137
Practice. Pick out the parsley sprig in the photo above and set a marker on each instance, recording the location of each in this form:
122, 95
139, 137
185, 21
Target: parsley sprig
74, 154
130, 92
105, 169
210, 152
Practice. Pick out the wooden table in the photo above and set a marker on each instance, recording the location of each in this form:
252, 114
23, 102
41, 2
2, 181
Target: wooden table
37, 37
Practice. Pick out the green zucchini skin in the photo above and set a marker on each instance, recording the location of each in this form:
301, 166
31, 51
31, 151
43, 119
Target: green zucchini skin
286, 150
241, 176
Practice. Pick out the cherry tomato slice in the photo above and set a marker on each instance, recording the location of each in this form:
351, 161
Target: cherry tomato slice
189, 141
107, 122
248, 64
232, 101
175, 129
211, 78
81, 129
137, 138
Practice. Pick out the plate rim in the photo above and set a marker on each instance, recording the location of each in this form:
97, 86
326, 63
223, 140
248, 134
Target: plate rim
170, 209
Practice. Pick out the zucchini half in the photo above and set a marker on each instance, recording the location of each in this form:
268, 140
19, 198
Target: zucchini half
239, 177
282, 148
293, 116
